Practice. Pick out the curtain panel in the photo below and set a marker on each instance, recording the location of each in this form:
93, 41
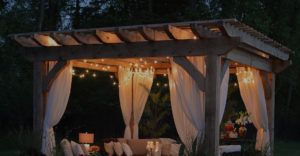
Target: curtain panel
125, 95
187, 101
57, 101
252, 92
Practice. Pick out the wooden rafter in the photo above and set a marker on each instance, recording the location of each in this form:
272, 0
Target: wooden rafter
204, 32
108, 37
179, 34
153, 35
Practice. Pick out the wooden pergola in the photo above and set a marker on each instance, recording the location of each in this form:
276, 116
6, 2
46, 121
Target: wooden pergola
226, 42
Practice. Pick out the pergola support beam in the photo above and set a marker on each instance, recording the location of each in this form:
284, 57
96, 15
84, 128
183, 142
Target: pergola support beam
218, 46
224, 68
271, 110
212, 104
192, 71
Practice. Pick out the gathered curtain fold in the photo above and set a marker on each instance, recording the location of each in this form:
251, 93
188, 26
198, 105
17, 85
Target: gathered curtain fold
187, 101
223, 94
125, 95
133, 92
252, 92
142, 83
57, 101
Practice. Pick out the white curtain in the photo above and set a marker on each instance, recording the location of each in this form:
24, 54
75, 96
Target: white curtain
125, 95
252, 93
223, 93
57, 101
142, 82
186, 131
186, 96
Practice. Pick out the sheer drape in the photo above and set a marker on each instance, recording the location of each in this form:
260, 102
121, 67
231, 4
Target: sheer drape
142, 82
223, 93
191, 100
125, 95
186, 131
56, 105
252, 93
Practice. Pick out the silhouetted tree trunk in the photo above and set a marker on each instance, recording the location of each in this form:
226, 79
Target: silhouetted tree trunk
42, 9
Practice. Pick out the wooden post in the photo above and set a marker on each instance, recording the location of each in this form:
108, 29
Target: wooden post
212, 104
39, 73
271, 110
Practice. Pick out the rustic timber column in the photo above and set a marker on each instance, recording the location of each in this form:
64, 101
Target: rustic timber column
39, 73
271, 110
212, 103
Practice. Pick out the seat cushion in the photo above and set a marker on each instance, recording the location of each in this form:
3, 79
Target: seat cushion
67, 148
138, 146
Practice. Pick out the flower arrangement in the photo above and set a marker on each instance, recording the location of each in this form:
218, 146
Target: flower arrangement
94, 150
243, 118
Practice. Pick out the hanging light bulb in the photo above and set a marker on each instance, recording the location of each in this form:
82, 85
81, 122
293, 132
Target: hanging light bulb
94, 75
165, 74
130, 64
111, 76
136, 65
87, 71
141, 59
84, 61
155, 61
157, 84
114, 83
195, 37
167, 57
102, 60
235, 84
108, 67
91, 64
165, 84
145, 62
97, 65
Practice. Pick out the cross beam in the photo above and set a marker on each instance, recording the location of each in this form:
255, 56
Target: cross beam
219, 46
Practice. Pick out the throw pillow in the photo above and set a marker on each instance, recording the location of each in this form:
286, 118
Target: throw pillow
118, 148
127, 150
76, 149
67, 148
84, 149
174, 149
109, 148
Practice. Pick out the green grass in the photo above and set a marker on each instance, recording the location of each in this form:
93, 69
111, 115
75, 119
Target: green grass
287, 148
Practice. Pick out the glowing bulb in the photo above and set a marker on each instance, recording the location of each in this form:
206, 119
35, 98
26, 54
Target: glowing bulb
91, 64
165, 84
114, 83
157, 84
155, 61
237, 74
145, 62
87, 71
141, 59
235, 84
167, 57
195, 37
108, 67
111, 76
165, 74
94, 75
136, 65
102, 60
97, 65
130, 64
245, 80
84, 61
73, 73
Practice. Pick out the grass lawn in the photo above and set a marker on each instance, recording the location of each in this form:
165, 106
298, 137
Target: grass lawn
287, 148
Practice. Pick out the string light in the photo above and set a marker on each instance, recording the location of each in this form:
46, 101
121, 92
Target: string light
114, 83
141, 59
130, 64
235, 84
155, 61
136, 65
157, 84
81, 76
166, 85
108, 67
97, 65
195, 37
94, 75
87, 71
167, 57
145, 62
102, 60
165, 74
84, 61
111, 76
